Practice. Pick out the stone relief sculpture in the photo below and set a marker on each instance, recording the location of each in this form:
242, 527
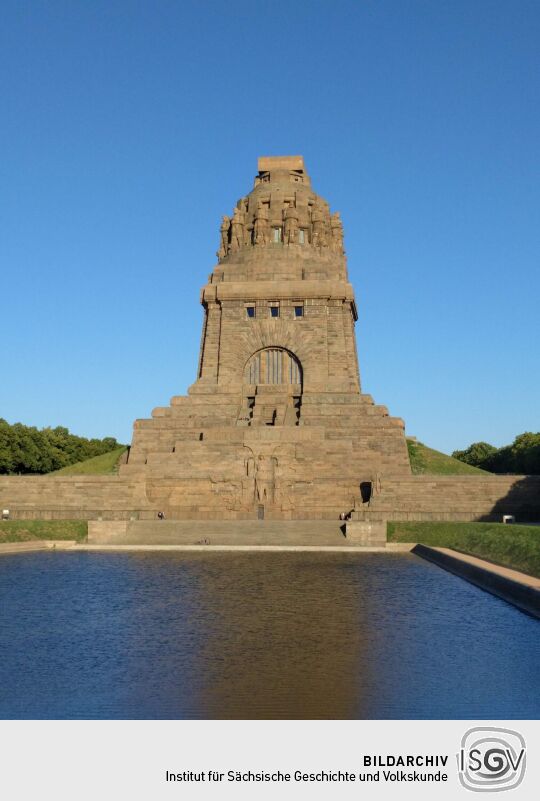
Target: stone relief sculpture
224, 237
229, 492
377, 483
261, 230
336, 227
265, 479
317, 221
290, 228
250, 465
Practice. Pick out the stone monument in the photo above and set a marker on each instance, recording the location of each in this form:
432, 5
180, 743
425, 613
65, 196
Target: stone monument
276, 424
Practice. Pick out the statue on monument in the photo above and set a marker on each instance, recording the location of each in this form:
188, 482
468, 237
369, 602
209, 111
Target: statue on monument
264, 479
261, 230
290, 217
224, 237
337, 232
317, 221
237, 229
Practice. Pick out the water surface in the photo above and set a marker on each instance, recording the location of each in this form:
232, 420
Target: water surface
258, 635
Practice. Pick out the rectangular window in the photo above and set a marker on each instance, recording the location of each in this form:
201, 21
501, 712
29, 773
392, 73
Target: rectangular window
250, 312
277, 234
301, 236
274, 311
298, 311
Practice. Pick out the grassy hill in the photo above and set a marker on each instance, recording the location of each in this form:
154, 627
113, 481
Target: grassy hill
31, 530
512, 546
426, 460
105, 464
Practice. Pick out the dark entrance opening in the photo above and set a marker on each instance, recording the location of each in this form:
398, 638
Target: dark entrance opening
260, 512
366, 488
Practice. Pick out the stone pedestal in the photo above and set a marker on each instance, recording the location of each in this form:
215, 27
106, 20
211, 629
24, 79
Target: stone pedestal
366, 533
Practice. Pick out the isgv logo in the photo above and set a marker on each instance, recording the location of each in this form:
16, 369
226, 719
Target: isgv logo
491, 759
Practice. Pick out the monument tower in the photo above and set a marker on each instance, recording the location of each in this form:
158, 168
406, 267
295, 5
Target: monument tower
275, 425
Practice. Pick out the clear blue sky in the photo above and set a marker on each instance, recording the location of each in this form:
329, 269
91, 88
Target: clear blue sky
129, 128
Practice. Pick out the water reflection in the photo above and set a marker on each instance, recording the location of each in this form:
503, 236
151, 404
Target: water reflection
295, 635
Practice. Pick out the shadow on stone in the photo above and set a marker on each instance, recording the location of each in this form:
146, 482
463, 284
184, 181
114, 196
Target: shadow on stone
522, 500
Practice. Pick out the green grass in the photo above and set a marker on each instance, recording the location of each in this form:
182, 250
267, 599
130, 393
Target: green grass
105, 464
426, 460
29, 530
513, 546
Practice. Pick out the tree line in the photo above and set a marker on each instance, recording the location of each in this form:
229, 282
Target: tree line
522, 456
26, 449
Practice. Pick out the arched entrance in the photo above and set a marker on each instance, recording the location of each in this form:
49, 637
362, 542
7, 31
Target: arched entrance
272, 389
273, 366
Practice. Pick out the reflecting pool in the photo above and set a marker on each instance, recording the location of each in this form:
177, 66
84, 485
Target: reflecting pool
258, 635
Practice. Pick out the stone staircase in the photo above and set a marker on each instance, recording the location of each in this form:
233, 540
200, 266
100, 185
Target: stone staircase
219, 532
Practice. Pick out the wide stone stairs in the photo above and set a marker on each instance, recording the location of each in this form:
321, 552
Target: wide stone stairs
226, 532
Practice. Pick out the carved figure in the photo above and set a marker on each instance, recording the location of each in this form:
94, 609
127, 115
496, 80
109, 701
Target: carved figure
224, 234
285, 495
261, 230
377, 483
237, 229
290, 232
243, 205
229, 493
264, 479
317, 221
337, 232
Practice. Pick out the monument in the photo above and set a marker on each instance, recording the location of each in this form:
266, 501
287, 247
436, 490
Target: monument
275, 425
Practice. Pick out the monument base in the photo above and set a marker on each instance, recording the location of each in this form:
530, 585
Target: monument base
366, 533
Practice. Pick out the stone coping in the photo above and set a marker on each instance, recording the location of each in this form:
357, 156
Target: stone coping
518, 589
36, 545
390, 548
69, 545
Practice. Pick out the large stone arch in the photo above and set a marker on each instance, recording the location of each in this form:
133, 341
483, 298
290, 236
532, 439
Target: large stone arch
270, 334
273, 365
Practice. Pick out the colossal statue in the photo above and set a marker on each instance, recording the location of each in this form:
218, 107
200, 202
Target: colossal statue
337, 232
237, 229
224, 237
290, 232
318, 226
261, 228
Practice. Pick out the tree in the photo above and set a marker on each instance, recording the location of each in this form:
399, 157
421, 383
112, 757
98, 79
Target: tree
26, 449
521, 457
476, 454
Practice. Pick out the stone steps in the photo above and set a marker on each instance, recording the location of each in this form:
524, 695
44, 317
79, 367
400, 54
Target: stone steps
220, 532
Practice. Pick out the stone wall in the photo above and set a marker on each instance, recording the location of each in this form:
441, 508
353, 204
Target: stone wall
473, 497
322, 497
72, 497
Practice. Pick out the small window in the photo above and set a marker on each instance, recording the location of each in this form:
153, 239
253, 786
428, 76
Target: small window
298, 311
274, 311
277, 234
301, 236
250, 312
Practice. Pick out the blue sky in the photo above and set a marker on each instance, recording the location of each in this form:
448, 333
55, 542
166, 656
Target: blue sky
129, 128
